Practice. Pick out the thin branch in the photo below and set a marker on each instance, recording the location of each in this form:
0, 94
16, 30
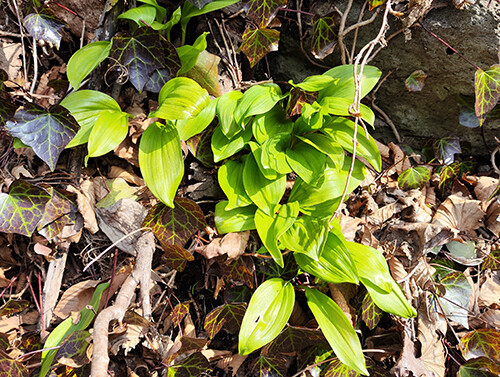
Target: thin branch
22, 40
342, 30
9, 34
357, 25
356, 32
35, 67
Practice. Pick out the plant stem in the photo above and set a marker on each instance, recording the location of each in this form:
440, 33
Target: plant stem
448, 45
297, 11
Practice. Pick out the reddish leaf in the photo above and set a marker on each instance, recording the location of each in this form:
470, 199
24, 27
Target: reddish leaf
492, 261
176, 257
375, 3
271, 365
262, 12
238, 271
370, 313
325, 35
415, 82
227, 316
295, 339
201, 147
11, 368
480, 367
4, 342
256, 43
13, 307
73, 350
179, 312
482, 342
30, 342
7, 110
59, 212
446, 148
487, 91
337, 369
47, 132
298, 98
192, 366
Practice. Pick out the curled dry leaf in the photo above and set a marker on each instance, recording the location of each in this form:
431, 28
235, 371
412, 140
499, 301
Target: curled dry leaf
459, 214
85, 202
493, 216
127, 175
75, 298
484, 188
232, 244
489, 292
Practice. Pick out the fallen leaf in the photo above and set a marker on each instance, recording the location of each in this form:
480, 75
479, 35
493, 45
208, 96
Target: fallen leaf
84, 200
75, 298
489, 292
459, 214
232, 244
129, 176
493, 217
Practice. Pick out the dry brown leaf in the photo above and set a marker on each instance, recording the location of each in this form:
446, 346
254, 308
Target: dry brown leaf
85, 202
75, 298
384, 149
136, 327
492, 318
459, 214
401, 161
341, 294
130, 177
232, 244
231, 363
42, 249
397, 269
489, 292
349, 226
485, 187
213, 355
493, 216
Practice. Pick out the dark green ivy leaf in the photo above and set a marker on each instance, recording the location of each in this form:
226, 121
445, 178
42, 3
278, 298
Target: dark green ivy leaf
226, 316
325, 35
13, 307
446, 148
481, 342
337, 369
262, 12
145, 56
72, 351
193, 365
413, 178
479, 367
487, 91
44, 27
47, 132
7, 110
269, 365
256, 43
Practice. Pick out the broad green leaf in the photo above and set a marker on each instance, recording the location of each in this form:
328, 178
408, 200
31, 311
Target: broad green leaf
181, 98
325, 33
67, 327
47, 132
257, 43
235, 220
193, 365
142, 54
334, 265
225, 112
12, 368
187, 128
143, 15
342, 131
268, 312
479, 367
340, 106
174, 20
413, 178
86, 106
487, 91
264, 193
22, 209
189, 54
327, 145
270, 228
315, 83
267, 172
273, 153
259, 99
44, 27
481, 342
228, 316
323, 199
370, 313
270, 123
224, 147
118, 189
337, 330
375, 276
160, 160
262, 12
415, 82
295, 339
189, 11
73, 349
206, 73
160, 11
307, 235
375, 3
109, 130
455, 301
306, 161
85, 60
13, 306
344, 88
230, 176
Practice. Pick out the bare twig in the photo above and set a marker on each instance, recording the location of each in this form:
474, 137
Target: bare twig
387, 120
35, 67
301, 39
359, 24
140, 275
9, 34
356, 32
342, 31
25, 68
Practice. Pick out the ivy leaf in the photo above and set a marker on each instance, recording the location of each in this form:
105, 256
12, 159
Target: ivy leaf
415, 82
13, 307
455, 301
482, 342
298, 98
268, 312
193, 365
200, 3
446, 148
11, 367
22, 208
238, 271
467, 117
492, 261
176, 257
256, 43
269, 365
174, 226
480, 367
375, 3
295, 339
337, 369
142, 54
325, 35
44, 27
262, 12
73, 349
370, 313
228, 316
413, 178
47, 132
7, 110
487, 91
179, 312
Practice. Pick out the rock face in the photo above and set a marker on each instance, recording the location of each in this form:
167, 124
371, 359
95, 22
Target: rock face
433, 112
